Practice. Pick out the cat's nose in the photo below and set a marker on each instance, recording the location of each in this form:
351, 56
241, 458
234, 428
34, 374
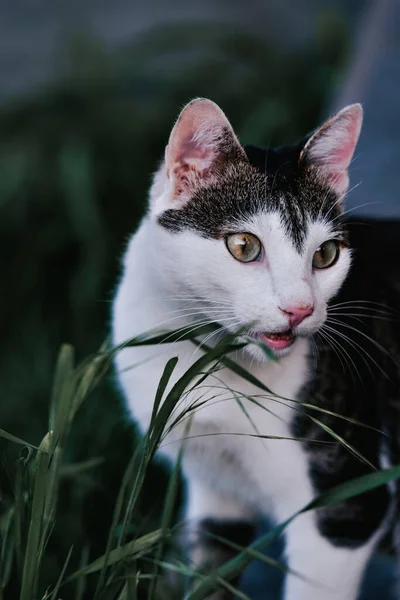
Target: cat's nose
297, 314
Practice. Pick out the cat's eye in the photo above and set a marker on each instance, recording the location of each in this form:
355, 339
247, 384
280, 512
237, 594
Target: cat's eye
244, 246
326, 255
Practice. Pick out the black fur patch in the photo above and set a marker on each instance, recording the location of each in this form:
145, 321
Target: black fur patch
215, 539
240, 533
273, 181
366, 388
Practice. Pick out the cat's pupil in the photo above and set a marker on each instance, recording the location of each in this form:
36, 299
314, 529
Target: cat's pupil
245, 247
242, 244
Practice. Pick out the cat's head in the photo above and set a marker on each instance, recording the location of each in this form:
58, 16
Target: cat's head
263, 248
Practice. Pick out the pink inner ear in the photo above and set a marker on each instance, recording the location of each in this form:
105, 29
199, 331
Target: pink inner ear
193, 156
343, 143
331, 148
341, 157
334, 166
201, 139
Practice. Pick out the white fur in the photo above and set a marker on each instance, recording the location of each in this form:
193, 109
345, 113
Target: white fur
167, 276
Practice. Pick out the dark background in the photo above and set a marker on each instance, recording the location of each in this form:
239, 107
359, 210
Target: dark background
89, 91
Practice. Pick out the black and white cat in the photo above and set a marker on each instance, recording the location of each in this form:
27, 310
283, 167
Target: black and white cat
257, 239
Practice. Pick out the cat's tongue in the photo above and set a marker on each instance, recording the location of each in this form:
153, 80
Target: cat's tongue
278, 340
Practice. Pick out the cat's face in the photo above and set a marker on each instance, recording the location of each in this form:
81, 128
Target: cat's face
264, 251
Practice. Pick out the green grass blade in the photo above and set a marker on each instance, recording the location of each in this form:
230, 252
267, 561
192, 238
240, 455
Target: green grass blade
124, 593
342, 441
142, 458
77, 468
33, 547
81, 581
165, 377
54, 595
262, 345
7, 547
132, 585
255, 554
211, 356
169, 505
355, 487
168, 337
70, 388
63, 372
234, 591
16, 440
130, 473
131, 550
20, 511
141, 464
90, 373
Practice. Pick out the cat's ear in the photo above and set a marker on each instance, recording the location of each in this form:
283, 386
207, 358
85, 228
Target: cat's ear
200, 144
329, 151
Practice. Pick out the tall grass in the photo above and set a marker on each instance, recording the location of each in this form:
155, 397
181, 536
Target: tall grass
131, 566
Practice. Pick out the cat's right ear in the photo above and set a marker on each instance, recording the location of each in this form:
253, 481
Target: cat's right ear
200, 144
329, 151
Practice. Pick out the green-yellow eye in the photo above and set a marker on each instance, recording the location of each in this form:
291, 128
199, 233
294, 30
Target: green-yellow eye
326, 255
244, 246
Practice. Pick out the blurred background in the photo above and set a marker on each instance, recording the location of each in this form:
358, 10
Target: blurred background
89, 90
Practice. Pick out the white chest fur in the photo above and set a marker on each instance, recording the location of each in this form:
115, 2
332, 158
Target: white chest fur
234, 441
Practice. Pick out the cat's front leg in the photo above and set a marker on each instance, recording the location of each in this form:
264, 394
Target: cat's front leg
212, 519
323, 567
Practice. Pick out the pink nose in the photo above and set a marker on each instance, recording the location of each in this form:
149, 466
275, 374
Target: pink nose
297, 314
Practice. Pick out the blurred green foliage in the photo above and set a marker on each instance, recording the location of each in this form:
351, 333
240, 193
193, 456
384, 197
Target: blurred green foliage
75, 164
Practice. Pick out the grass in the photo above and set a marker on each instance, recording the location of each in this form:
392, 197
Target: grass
131, 566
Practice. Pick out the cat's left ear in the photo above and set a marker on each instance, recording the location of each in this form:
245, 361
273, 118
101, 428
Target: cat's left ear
201, 143
329, 151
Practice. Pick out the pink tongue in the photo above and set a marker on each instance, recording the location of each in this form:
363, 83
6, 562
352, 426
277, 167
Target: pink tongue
278, 340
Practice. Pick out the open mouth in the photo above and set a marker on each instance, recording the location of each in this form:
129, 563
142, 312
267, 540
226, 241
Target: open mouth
278, 341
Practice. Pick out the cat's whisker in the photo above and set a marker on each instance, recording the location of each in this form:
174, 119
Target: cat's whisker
192, 408
200, 308
334, 205
208, 337
350, 210
197, 325
190, 298
340, 200
357, 347
367, 303
325, 218
232, 320
360, 316
217, 314
186, 329
315, 350
340, 353
369, 338
265, 179
331, 343
197, 409
368, 308
326, 328
364, 355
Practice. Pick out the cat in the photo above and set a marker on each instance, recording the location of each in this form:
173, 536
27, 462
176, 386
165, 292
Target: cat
257, 239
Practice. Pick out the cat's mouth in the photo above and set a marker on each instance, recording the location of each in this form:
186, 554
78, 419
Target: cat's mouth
278, 341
